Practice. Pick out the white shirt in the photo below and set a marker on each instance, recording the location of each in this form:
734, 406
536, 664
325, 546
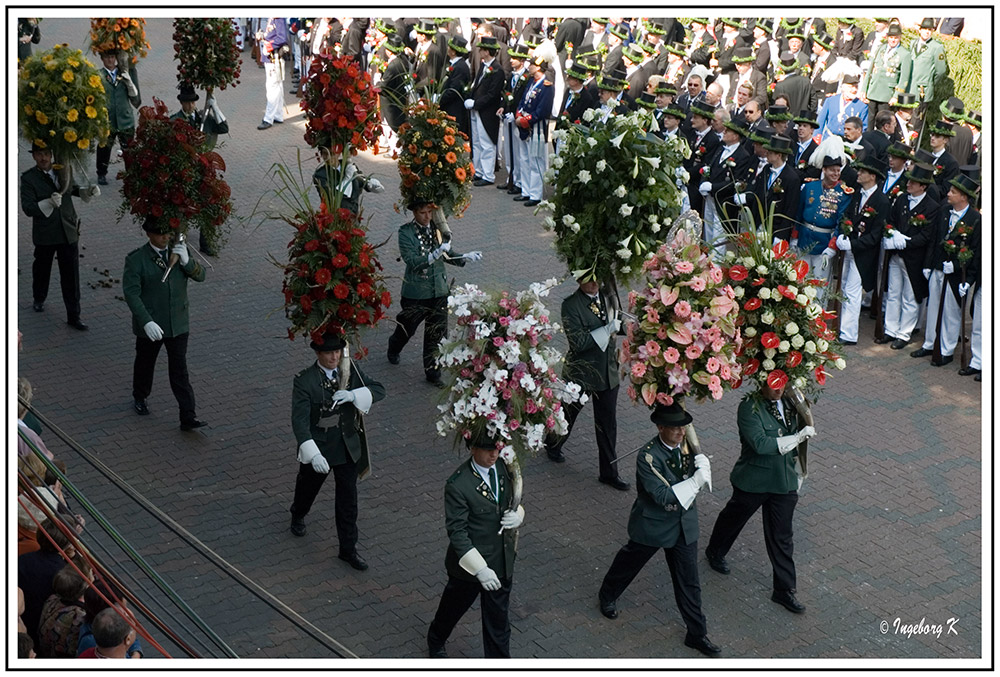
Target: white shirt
891, 178
914, 201
330, 373
865, 194
485, 474
727, 151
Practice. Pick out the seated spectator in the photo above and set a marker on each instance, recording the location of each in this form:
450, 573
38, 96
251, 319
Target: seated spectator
28, 519
94, 604
35, 571
62, 615
24, 392
112, 634
25, 647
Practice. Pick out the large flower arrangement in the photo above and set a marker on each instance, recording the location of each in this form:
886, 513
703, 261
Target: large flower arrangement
126, 35
501, 371
684, 339
786, 338
61, 102
169, 177
434, 164
207, 52
341, 105
614, 190
333, 279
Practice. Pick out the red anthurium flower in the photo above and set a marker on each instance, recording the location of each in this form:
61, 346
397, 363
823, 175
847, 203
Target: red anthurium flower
769, 339
793, 359
752, 304
801, 268
820, 375
753, 364
780, 249
777, 379
738, 273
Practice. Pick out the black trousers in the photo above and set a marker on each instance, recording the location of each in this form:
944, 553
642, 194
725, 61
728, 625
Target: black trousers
495, 606
124, 137
68, 256
146, 352
778, 510
345, 499
873, 109
414, 311
605, 427
682, 559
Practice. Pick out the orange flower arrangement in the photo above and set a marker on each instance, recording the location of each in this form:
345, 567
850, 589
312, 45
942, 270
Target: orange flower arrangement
429, 148
127, 35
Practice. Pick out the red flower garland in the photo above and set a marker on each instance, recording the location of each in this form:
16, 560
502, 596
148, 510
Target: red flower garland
207, 52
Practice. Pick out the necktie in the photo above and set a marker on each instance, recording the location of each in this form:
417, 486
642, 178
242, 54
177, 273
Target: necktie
675, 457
493, 482
513, 80
479, 75
569, 99
770, 179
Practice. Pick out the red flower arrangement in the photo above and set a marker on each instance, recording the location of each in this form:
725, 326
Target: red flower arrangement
341, 105
207, 52
167, 176
333, 278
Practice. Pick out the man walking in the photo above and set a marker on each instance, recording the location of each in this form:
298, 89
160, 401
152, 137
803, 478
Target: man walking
272, 39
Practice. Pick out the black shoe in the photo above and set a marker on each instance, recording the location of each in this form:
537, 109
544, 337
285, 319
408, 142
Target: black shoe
513, 190
298, 526
921, 352
264, 125
786, 598
616, 482
436, 652
293, 90
979, 377
392, 357
848, 343
608, 609
140, 407
39, 306
716, 562
702, 644
436, 381
102, 180
557, 457
885, 339
532, 203
279, 122
504, 186
899, 344
521, 198
945, 359
482, 182
968, 371
192, 424
78, 324
354, 559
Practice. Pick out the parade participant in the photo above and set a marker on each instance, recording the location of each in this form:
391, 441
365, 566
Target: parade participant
975, 365
762, 30
160, 316
837, 109
874, 40
638, 69
889, 73
349, 187
722, 177
428, 62
425, 289
859, 148
945, 165
272, 39
822, 47
746, 74
677, 66
532, 122
214, 124
704, 145
780, 187
778, 116
765, 477
512, 146
485, 97
914, 216
614, 62
330, 434
482, 545
902, 107
943, 269
665, 515
849, 40
805, 129
898, 155
591, 324
960, 145
55, 232
121, 88
610, 92
577, 99
930, 65
669, 120
28, 33
394, 88
867, 213
880, 135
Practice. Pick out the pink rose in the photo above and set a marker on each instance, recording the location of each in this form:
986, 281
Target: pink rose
652, 347
684, 267
671, 355
497, 341
693, 351
514, 424
682, 309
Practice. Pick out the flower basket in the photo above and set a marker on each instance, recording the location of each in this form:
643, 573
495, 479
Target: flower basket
167, 176
207, 53
684, 339
501, 372
434, 162
61, 103
341, 105
333, 280
614, 190
127, 36
785, 336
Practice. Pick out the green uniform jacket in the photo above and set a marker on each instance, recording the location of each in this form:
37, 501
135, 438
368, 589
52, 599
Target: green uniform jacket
423, 280
472, 519
760, 468
657, 518
62, 226
312, 398
930, 64
888, 75
165, 303
119, 102
586, 363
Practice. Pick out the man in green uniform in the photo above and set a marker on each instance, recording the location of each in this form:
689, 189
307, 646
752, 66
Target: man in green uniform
482, 545
122, 90
930, 64
330, 433
160, 316
889, 73
765, 476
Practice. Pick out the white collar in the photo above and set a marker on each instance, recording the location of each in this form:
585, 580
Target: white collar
329, 372
732, 148
778, 169
916, 200
866, 192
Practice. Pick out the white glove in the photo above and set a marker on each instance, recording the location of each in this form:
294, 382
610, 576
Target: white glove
320, 464
213, 104
488, 579
375, 186
509, 117
793, 243
367, 48
686, 491
181, 249
843, 243
95, 191
309, 453
439, 252
927, 273
807, 432
787, 443
56, 199
129, 85
601, 336
889, 243
512, 519
963, 289
948, 267
469, 103
701, 461
740, 198
900, 240
85, 195
153, 331
473, 256
342, 396
704, 477
680, 172
705, 187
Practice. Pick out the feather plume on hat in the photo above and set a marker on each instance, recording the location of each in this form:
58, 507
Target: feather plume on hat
831, 146
546, 52
839, 68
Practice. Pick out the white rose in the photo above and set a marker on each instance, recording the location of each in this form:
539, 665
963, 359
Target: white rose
761, 269
568, 219
769, 353
783, 347
620, 191
739, 292
810, 347
822, 346
557, 162
591, 141
625, 209
600, 166
839, 363
655, 228
792, 276
583, 175
588, 115
750, 332
800, 383
793, 289
764, 293
575, 227
810, 291
802, 299
767, 365
767, 317
797, 341
791, 329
